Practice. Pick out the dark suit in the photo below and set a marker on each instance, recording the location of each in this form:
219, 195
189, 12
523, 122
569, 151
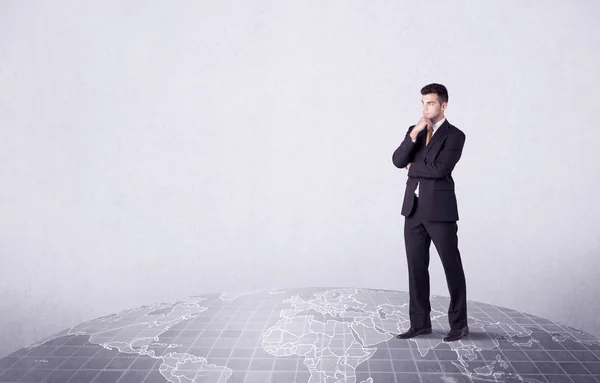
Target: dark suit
433, 217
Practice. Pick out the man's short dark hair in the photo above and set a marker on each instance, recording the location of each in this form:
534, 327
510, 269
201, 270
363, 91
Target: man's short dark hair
438, 89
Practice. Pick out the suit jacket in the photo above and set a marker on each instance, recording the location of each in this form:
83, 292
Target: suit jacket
431, 168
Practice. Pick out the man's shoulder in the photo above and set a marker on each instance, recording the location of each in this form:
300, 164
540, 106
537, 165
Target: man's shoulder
452, 129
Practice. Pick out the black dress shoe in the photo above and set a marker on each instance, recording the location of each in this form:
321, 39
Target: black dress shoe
456, 334
412, 332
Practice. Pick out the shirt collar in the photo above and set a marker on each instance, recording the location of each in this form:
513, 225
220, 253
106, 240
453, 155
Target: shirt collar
438, 124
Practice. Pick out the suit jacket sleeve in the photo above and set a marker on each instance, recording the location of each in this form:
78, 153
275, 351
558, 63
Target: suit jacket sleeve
445, 161
405, 152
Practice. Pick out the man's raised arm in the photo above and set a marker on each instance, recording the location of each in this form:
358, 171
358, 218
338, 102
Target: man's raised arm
405, 152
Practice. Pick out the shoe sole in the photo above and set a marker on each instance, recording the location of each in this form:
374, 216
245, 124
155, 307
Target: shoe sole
457, 337
424, 332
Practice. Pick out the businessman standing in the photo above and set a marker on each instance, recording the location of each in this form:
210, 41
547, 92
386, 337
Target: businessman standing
430, 151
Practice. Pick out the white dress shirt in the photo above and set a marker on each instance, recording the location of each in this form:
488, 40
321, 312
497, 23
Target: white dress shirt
434, 129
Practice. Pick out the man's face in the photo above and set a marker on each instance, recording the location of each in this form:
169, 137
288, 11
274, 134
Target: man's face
432, 108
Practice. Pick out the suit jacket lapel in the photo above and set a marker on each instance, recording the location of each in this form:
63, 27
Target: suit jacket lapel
441, 132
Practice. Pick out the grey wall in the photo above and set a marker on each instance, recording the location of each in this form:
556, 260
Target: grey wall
155, 150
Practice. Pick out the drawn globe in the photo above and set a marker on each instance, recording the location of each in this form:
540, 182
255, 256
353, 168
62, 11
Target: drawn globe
314, 335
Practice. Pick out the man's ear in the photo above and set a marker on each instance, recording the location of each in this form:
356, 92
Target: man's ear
444, 105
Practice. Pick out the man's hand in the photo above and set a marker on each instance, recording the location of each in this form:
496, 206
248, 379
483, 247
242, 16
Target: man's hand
408, 166
422, 124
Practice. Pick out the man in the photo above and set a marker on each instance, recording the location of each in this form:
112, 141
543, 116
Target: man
430, 150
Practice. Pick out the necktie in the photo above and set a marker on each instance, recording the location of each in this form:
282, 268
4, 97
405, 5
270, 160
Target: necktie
429, 133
